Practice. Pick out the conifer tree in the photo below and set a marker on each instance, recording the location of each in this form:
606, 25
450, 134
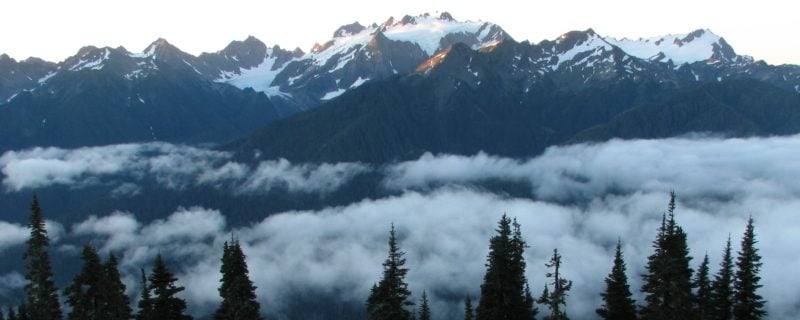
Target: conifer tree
117, 305
84, 294
618, 304
388, 298
503, 289
469, 314
22, 312
748, 304
703, 303
40, 291
668, 281
722, 287
145, 301
424, 309
166, 306
558, 297
2, 316
11, 314
237, 291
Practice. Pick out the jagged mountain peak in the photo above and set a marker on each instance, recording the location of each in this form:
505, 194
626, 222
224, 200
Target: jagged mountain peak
698, 45
5, 58
348, 30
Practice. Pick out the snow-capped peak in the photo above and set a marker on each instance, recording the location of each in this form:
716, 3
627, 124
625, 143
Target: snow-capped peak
699, 45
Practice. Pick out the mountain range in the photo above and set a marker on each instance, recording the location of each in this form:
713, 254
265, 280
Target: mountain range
394, 90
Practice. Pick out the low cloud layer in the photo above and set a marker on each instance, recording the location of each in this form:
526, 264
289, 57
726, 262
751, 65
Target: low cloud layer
445, 225
124, 167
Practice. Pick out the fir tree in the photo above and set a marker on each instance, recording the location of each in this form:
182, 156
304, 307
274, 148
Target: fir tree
237, 291
721, 287
558, 297
424, 309
703, 303
388, 298
618, 304
145, 301
84, 294
117, 304
503, 289
166, 306
469, 314
41, 293
2, 316
12, 315
748, 304
668, 281
22, 312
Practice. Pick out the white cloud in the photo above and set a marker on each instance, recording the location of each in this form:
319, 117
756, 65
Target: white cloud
12, 235
125, 166
620, 189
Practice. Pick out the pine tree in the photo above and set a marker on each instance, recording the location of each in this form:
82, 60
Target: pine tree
41, 293
12, 315
558, 297
703, 303
145, 301
721, 287
668, 281
748, 304
22, 312
84, 294
424, 309
469, 314
117, 304
388, 298
503, 289
2, 316
617, 298
166, 306
237, 291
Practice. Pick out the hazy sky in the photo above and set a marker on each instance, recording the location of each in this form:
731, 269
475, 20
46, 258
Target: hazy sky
54, 30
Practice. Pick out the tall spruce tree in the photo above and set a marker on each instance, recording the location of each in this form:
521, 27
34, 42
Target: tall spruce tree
503, 289
748, 304
469, 313
424, 308
12, 315
166, 306
41, 295
388, 298
722, 287
618, 301
145, 301
668, 282
85, 295
237, 291
558, 297
117, 305
704, 308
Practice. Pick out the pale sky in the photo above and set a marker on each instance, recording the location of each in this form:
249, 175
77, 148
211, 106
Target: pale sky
56, 29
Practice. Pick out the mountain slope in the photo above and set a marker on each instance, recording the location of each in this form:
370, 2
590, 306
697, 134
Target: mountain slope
499, 101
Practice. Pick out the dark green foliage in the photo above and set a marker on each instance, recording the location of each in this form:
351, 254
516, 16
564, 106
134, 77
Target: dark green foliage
668, 281
117, 305
23, 313
145, 301
747, 303
237, 291
166, 306
703, 303
12, 315
424, 309
2, 316
722, 287
469, 313
503, 294
388, 298
618, 304
558, 297
41, 295
85, 295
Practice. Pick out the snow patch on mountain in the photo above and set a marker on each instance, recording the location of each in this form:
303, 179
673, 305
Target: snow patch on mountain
95, 64
333, 94
258, 78
592, 43
680, 48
